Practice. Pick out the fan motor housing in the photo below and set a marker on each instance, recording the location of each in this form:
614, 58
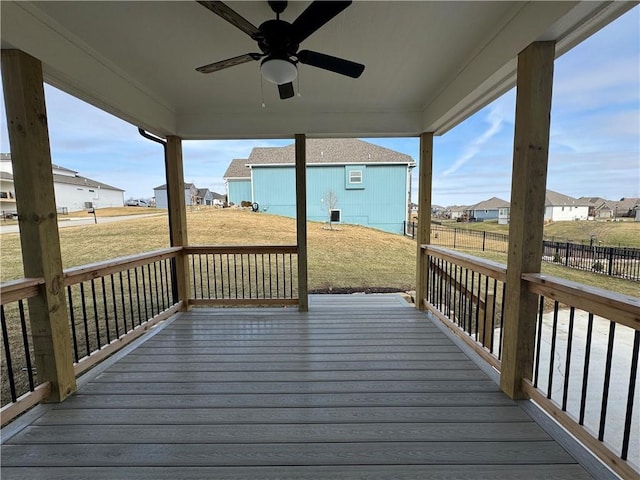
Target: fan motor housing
276, 39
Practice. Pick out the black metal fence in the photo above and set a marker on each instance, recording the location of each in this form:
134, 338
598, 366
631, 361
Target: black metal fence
621, 262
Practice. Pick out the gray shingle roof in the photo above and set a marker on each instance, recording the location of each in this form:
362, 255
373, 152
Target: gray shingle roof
238, 169
82, 181
330, 150
6, 176
164, 186
494, 203
555, 199
318, 151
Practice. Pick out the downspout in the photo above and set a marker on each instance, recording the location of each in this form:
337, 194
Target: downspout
174, 278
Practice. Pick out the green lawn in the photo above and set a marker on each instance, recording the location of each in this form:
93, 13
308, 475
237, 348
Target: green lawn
349, 256
626, 234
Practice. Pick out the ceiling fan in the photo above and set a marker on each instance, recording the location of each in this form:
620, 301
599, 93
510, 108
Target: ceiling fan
279, 42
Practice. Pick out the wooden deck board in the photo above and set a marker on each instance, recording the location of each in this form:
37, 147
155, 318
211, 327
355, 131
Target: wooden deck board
358, 387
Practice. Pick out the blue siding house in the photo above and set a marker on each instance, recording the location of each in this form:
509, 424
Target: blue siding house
355, 182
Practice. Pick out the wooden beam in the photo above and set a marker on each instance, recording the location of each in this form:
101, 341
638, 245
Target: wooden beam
528, 185
36, 205
301, 221
178, 216
423, 236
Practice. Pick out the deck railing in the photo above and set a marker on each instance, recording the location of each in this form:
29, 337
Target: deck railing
468, 295
243, 275
109, 305
586, 347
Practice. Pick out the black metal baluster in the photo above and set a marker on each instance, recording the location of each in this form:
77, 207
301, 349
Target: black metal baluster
135, 275
493, 316
155, 281
470, 313
25, 344
74, 335
201, 280
206, 258
264, 290
235, 275
150, 290
144, 294
193, 274
228, 276
567, 365
115, 307
85, 320
585, 372
95, 313
633, 372
290, 275
130, 299
106, 311
538, 342
554, 332
270, 275
163, 278
215, 276
607, 379
284, 276
277, 278
7, 355
255, 262
242, 272
501, 320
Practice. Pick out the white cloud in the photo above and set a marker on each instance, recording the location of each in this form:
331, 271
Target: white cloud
497, 115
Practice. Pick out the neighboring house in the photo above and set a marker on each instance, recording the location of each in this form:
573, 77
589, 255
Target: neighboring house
370, 183
7, 194
72, 191
238, 181
599, 207
190, 195
492, 209
626, 207
457, 211
204, 197
559, 207
218, 199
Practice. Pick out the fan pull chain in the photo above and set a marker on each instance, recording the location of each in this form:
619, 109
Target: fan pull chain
298, 81
262, 91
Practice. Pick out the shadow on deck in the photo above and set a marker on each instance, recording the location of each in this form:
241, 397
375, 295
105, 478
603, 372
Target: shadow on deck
359, 387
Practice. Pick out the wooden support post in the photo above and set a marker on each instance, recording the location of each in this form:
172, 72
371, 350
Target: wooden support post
178, 215
528, 185
301, 221
36, 205
423, 235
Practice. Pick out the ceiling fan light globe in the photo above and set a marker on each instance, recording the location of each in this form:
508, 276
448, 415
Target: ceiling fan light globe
278, 71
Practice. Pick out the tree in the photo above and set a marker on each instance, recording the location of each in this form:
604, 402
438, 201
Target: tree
330, 201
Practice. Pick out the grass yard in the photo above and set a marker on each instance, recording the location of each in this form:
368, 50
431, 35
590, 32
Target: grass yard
348, 256
626, 234
113, 212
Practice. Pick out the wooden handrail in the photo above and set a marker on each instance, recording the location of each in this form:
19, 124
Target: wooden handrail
100, 269
20, 289
621, 309
486, 267
224, 249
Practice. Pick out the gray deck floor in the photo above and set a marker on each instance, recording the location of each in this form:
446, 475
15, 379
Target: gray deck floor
360, 387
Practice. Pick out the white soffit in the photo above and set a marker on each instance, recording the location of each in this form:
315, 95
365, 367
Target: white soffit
429, 65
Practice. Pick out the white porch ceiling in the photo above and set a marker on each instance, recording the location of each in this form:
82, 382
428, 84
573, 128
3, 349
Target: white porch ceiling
429, 65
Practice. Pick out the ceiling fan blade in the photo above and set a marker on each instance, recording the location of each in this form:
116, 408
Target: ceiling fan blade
229, 62
286, 90
333, 64
314, 17
231, 16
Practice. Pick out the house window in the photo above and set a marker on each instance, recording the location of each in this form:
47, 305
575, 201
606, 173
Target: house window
4, 195
355, 176
92, 190
335, 215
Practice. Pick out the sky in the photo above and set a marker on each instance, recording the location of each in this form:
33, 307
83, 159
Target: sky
594, 145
